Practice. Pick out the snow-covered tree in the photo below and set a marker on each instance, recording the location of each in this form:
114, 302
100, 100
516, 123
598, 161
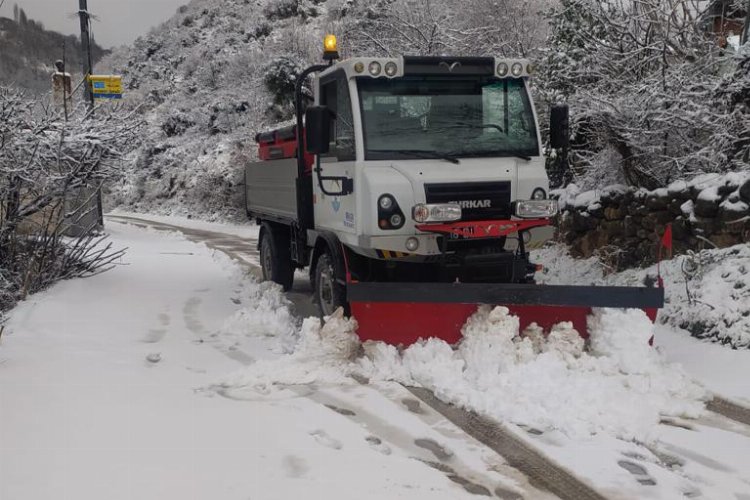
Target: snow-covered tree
442, 27
642, 80
44, 162
280, 79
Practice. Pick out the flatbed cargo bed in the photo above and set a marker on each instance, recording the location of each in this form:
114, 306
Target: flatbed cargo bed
270, 189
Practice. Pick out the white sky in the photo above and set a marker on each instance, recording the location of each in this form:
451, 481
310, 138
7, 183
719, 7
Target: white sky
120, 21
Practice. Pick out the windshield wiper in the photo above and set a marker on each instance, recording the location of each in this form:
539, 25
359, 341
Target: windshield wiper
419, 153
482, 125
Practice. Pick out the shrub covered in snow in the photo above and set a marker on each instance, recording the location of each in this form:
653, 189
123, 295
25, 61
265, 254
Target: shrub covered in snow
45, 162
280, 79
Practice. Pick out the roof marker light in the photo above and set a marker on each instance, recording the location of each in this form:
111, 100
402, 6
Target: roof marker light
330, 48
330, 43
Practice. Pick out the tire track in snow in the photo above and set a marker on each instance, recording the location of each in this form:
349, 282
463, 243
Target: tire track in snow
542, 472
242, 250
434, 453
729, 409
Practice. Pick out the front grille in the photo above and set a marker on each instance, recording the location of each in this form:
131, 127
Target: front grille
482, 200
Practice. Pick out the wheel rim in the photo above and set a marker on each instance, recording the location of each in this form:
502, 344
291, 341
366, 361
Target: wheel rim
266, 260
326, 291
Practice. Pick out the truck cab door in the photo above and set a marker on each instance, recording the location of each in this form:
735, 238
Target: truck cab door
337, 213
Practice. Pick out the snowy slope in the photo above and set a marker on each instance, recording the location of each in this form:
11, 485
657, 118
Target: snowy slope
198, 79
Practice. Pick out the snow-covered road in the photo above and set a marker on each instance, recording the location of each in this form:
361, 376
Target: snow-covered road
148, 382
106, 391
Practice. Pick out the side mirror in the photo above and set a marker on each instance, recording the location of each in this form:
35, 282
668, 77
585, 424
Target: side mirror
559, 127
317, 130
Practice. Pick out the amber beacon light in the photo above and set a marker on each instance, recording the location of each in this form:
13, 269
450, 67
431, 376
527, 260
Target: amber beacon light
330, 48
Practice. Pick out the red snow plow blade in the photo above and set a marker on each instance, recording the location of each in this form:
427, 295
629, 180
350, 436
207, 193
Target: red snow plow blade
402, 313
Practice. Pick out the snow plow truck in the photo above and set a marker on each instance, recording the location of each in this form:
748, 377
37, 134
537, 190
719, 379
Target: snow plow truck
410, 189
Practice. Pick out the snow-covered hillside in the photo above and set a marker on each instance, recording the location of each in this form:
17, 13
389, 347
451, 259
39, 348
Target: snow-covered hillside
198, 80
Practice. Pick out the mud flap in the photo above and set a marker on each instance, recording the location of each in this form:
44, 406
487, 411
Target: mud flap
402, 313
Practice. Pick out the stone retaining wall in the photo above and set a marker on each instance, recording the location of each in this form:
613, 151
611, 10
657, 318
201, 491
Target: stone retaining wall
624, 226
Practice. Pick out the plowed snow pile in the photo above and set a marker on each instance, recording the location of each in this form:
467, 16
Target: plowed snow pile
322, 354
618, 385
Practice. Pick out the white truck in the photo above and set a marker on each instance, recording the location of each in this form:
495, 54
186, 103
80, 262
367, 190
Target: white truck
414, 172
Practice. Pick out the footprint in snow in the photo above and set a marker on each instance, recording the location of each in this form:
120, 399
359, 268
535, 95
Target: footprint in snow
378, 445
413, 405
341, 411
156, 335
324, 439
437, 449
469, 486
638, 471
153, 357
295, 466
505, 494
164, 319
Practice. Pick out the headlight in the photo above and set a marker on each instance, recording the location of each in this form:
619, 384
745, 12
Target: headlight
390, 215
386, 202
391, 69
539, 194
536, 209
375, 68
448, 212
517, 69
502, 70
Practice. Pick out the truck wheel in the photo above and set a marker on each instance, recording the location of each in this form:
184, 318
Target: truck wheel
329, 293
276, 259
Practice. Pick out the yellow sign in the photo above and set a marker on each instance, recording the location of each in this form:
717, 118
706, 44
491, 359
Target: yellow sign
106, 86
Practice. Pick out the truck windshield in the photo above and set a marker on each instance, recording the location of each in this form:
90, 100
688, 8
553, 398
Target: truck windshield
447, 116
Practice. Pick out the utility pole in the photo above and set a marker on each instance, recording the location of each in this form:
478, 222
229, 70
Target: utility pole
86, 61
746, 27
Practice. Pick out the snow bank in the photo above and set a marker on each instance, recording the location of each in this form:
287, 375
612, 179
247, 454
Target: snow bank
707, 292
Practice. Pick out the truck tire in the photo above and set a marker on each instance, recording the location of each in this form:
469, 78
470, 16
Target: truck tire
330, 294
276, 258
